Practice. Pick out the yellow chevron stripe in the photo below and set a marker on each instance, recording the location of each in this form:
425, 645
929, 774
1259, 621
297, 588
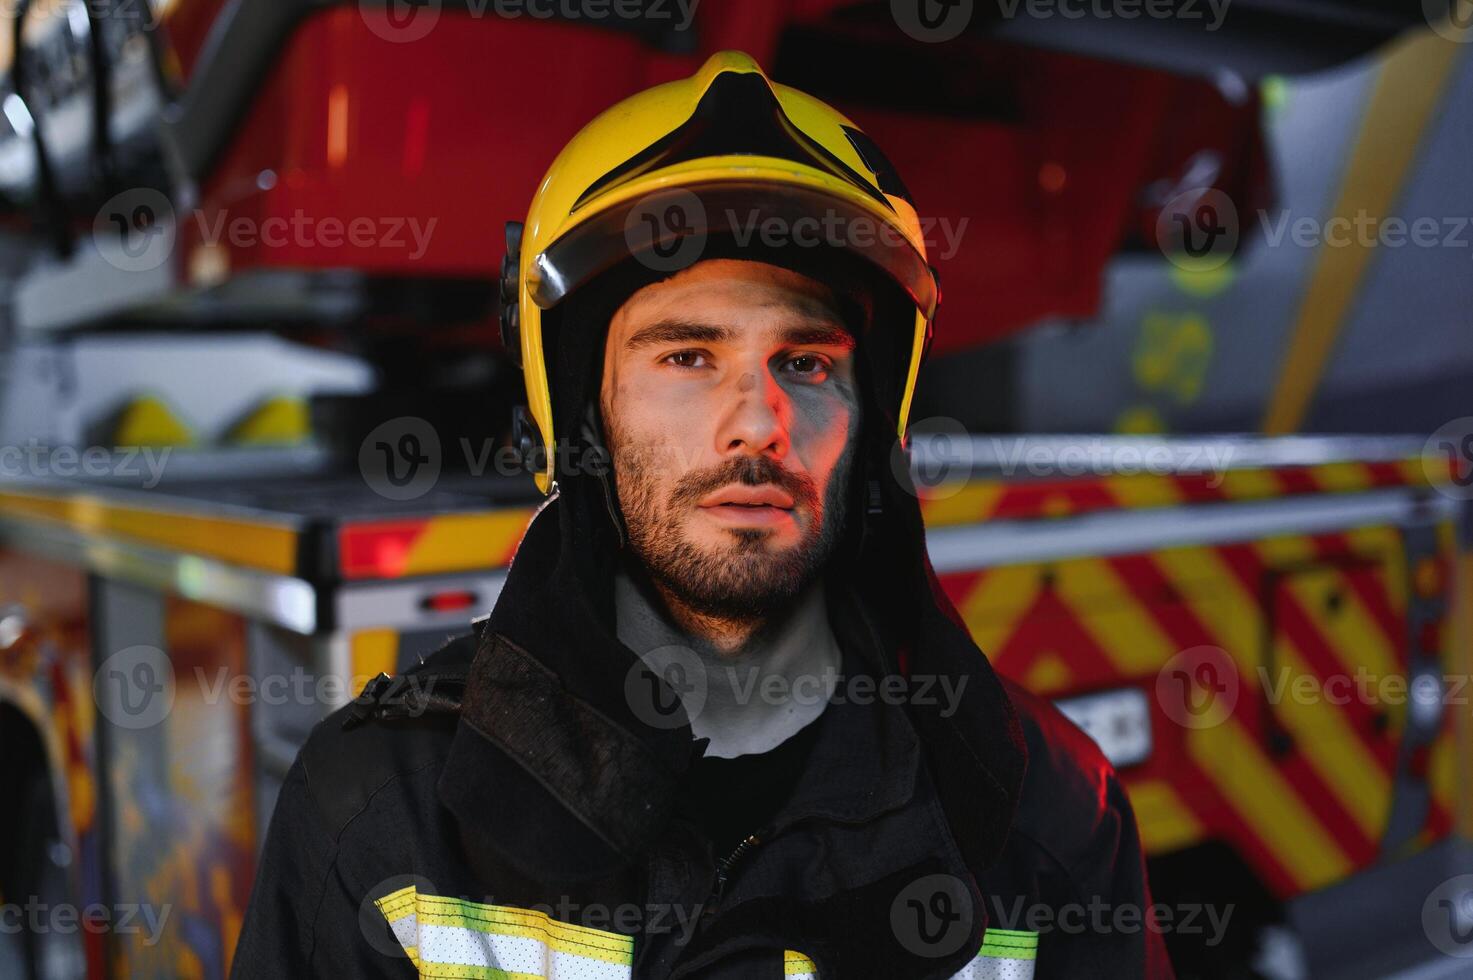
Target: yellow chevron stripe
463, 542
1328, 743
1166, 823
969, 503
1143, 490
1048, 674
1385, 543
1250, 485
1342, 476
1106, 609
1213, 596
1265, 801
1351, 632
1284, 550
993, 607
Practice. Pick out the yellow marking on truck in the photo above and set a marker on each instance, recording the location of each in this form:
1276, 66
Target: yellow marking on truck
1047, 674
372, 652
1263, 798
464, 542
954, 503
254, 544
1165, 822
1143, 491
992, 608
1314, 714
1105, 608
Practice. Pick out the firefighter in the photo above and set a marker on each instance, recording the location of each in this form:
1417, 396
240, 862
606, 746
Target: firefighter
721, 721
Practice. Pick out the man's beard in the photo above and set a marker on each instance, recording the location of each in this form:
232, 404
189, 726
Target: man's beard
743, 579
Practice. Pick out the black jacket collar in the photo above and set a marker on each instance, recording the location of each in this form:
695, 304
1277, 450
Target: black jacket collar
552, 709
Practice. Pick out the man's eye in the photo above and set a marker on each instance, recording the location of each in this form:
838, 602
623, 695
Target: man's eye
686, 359
808, 365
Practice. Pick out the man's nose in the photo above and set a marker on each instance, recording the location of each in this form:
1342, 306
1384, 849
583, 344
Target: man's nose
756, 422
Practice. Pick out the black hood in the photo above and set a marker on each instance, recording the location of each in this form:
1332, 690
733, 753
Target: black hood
547, 709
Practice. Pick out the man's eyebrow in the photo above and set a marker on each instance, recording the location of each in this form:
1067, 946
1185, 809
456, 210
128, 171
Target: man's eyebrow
694, 332
677, 332
818, 336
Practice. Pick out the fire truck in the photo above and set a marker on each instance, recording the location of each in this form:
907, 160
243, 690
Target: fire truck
252, 248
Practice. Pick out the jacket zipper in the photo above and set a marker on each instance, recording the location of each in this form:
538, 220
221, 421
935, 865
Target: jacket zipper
725, 866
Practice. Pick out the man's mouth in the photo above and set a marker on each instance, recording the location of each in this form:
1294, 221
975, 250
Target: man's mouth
748, 505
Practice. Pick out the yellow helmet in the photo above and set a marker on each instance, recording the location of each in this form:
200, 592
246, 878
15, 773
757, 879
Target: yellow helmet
655, 174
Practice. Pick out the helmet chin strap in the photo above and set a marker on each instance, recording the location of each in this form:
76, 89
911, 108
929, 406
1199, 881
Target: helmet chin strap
592, 432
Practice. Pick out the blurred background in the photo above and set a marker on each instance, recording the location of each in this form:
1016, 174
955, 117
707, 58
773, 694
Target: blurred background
1195, 439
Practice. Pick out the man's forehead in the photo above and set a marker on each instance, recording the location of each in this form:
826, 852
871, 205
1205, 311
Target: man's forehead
733, 296
789, 331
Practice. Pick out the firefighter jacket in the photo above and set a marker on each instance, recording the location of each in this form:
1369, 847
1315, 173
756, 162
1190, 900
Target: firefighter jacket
504, 810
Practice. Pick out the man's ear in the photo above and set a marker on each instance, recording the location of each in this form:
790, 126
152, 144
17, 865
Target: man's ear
602, 464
